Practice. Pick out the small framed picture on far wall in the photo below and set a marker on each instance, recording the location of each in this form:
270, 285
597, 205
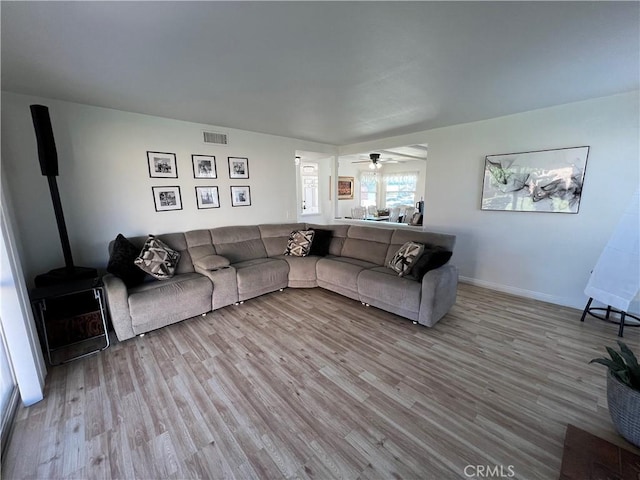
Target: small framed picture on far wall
238, 167
345, 188
204, 166
207, 197
162, 165
240, 196
167, 198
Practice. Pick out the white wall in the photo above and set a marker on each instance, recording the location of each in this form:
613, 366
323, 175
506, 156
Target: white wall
105, 185
106, 189
541, 255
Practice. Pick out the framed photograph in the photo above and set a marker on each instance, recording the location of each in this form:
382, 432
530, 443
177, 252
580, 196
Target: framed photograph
238, 167
204, 166
207, 197
540, 181
240, 196
167, 198
162, 165
345, 188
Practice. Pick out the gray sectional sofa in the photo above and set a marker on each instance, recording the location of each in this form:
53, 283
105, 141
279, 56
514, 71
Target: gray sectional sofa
227, 265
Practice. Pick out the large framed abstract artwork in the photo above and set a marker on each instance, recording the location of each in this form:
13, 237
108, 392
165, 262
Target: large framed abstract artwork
541, 181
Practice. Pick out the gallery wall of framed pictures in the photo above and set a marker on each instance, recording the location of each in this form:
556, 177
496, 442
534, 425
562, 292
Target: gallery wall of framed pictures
164, 165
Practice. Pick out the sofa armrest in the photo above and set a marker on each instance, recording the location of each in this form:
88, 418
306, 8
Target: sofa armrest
439, 289
117, 298
211, 262
225, 285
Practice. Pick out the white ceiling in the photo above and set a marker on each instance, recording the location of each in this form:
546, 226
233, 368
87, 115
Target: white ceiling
333, 72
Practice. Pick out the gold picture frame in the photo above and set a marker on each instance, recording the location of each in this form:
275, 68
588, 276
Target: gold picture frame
345, 188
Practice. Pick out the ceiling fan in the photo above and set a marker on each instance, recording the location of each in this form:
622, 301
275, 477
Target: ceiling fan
375, 162
409, 153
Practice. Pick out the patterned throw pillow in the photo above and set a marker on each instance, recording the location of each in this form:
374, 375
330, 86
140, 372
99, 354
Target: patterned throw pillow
299, 244
405, 257
157, 259
123, 254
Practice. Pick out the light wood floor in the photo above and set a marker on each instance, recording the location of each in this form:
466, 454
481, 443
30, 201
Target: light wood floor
309, 384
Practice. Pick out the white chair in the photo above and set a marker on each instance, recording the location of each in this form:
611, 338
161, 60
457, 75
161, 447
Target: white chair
408, 214
394, 214
358, 213
372, 211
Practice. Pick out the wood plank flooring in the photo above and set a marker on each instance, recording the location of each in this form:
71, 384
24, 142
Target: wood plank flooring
309, 384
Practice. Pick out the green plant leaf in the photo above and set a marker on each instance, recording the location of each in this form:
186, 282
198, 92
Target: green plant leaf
632, 364
610, 364
615, 356
623, 366
623, 376
628, 355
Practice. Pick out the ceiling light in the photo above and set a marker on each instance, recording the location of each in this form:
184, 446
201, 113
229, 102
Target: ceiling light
374, 161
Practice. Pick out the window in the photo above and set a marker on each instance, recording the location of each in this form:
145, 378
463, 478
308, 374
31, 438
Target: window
368, 189
7, 390
309, 181
400, 189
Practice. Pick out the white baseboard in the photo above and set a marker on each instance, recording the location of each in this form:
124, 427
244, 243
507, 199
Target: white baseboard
521, 292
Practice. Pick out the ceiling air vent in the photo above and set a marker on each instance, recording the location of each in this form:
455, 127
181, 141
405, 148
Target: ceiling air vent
215, 138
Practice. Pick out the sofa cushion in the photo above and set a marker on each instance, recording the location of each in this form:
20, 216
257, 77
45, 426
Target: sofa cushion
276, 236
158, 303
405, 257
199, 244
382, 288
321, 242
121, 262
434, 256
212, 262
340, 274
261, 275
158, 259
302, 271
238, 243
299, 244
367, 243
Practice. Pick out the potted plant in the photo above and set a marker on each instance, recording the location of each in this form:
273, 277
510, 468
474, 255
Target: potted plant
623, 391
